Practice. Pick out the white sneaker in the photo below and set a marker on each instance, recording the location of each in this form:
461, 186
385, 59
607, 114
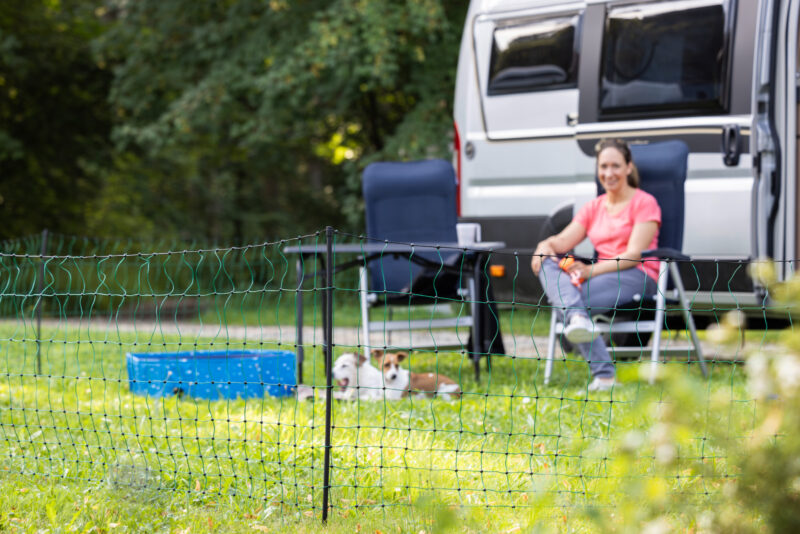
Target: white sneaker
580, 329
602, 383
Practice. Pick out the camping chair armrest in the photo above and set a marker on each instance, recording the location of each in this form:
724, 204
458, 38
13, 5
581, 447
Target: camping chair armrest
665, 254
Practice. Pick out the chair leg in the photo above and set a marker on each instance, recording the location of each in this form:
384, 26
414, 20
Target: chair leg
477, 341
659, 320
551, 347
687, 316
656, 349
362, 296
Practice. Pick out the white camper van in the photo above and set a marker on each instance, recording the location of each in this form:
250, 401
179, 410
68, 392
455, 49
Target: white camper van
540, 81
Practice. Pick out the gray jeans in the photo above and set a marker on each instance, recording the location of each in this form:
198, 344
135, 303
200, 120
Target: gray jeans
598, 295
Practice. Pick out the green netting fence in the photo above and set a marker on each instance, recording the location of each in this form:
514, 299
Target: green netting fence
72, 318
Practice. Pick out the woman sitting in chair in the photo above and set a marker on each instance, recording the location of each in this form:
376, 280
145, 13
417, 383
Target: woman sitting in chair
620, 224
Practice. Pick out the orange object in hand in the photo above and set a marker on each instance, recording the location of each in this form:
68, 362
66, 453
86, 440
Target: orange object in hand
567, 262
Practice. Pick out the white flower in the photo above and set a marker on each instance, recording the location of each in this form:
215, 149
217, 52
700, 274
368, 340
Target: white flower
735, 319
665, 453
729, 330
660, 433
632, 441
759, 381
657, 526
705, 522
763, 272
722, 334
648, 372
787, 372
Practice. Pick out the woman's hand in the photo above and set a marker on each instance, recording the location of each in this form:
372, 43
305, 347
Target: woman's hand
543, 249
557, 244
584, 270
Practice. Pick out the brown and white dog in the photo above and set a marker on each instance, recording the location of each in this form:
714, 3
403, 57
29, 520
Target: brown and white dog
400, 383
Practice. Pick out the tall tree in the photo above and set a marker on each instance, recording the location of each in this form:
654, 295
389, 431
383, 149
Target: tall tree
255, 117
54, 120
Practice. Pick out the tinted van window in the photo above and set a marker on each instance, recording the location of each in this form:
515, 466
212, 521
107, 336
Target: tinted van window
530, 55
664, 58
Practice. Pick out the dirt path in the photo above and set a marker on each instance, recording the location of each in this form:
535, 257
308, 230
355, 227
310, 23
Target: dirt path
280, 336
276, 335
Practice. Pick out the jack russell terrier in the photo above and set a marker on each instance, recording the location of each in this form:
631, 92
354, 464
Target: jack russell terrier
400, 383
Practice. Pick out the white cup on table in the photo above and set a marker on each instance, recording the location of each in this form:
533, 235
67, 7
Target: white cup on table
468, 234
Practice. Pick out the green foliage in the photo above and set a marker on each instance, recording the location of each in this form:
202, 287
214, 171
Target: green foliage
750, 461
54, 123
260, 115
226, 121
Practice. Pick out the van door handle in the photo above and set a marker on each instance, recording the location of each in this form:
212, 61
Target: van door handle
731, 144
572, 119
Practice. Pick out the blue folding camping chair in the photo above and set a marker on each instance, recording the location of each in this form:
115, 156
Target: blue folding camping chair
415, 202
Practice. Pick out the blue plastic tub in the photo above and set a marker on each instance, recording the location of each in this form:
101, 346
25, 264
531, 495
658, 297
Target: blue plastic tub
212, 374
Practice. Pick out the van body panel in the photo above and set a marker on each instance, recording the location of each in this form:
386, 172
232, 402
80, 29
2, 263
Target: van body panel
532, 151
544, 178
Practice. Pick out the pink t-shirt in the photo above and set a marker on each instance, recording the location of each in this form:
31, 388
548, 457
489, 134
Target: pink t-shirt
610, 233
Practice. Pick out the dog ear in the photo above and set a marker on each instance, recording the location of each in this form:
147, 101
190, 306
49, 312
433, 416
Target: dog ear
361, 358
401, 356
377, 355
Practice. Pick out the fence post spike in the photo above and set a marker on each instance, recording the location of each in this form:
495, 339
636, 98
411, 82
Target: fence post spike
328, 311
39, 291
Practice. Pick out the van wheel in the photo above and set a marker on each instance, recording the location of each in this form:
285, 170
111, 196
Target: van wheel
556, 222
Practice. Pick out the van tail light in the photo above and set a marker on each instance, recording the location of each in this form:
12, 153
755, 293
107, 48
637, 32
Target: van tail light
457, 150
497, 271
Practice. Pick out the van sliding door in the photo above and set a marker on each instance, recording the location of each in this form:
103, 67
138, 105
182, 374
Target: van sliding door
678, 69
521, 163
775, 135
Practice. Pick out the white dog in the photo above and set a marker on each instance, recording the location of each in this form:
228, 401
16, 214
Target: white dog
357, 377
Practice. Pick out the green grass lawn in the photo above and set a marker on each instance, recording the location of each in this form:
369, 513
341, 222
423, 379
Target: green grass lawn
80, 452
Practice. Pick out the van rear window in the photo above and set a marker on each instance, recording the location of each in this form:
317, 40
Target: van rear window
665, 58
533, 55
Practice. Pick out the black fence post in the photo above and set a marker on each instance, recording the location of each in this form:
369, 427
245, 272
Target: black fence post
328, 312
299, 319
40, 290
